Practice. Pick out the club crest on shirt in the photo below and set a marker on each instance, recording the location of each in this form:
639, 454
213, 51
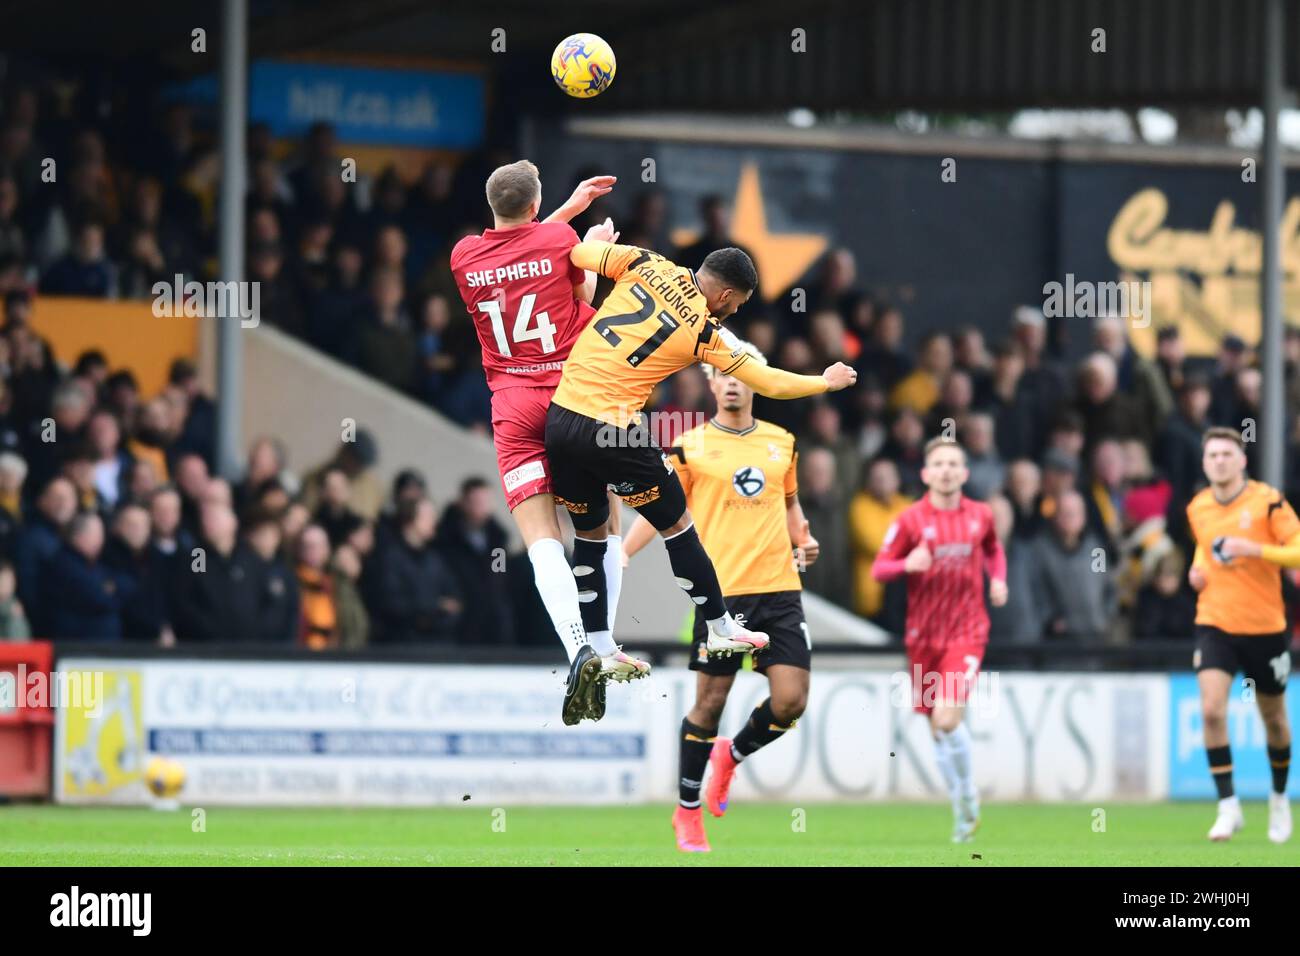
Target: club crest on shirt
773, 453
749, 481
929, 532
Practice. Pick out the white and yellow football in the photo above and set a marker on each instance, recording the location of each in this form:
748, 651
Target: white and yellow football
583, 65
164, 777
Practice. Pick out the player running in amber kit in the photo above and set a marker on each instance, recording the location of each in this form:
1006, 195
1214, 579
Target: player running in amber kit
1245, 533
529, 303
944, 544
658, 319
739, 475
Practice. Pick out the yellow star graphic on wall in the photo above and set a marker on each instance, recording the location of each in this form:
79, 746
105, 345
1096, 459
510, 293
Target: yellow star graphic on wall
781, 257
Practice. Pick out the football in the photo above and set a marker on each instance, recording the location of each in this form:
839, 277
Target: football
583, 65
164, 777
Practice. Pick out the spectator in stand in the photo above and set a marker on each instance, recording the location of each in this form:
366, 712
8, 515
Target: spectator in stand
1060, 475
1233, 357
357, 458
474, 545
871, 513
824, 432
1076, 599
1066, 434
81, 598
824, 505
344, 306
987, 472
436, 362
416, 598
1138, 379
38, 542
13, 618
318, 625
198, 418
266, 459
1019, 620
1017, 420
1171, 358
837, 289
215, 597
1166, 609
716, 234
152, 436
1249, 400
649, 226
192, 480
1024, 489
872, 417
906, 447
1106, 490
884, 355
143, 575
111, 461
385, 347
350, 608
86, 270
972, 357
278, 617
1044, 382
139, 481
168, 538
334, 515
69, 412
920, 390
280, 301
956, 396
13, 474
1108, 412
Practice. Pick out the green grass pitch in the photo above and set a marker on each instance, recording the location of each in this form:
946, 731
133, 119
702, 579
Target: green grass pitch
756, 834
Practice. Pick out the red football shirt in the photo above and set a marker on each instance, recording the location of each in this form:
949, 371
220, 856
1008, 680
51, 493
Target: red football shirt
518, 287
945, 605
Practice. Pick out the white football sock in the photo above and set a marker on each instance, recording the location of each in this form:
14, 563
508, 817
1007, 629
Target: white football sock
723, 626
959, 747
943, 758
602, 642
613, 577
559, 593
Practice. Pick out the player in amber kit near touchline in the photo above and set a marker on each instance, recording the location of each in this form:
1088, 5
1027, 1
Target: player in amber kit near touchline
739, 475
1245, 533
658, 319
944, 543
528, 303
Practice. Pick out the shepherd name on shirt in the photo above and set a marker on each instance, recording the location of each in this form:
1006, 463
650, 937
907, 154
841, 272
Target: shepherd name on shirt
530, 269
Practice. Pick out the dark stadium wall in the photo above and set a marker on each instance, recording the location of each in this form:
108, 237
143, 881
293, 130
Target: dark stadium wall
969, 250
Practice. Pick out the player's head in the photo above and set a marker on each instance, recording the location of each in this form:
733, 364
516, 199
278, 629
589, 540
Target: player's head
1223, 455
731, 394
727, 278
944, 471
514, 192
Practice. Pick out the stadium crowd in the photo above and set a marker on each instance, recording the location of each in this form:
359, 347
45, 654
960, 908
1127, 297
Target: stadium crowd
105, 493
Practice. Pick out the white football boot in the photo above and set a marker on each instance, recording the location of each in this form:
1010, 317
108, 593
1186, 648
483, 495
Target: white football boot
1279, 817
1229, 820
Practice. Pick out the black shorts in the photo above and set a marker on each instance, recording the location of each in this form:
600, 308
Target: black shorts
588, 456
1265, 659
779, 614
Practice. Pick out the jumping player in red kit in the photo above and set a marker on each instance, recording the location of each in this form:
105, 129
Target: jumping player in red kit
529, 303
944, 543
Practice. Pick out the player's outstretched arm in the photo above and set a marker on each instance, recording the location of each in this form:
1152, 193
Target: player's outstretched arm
607, 258
777, 383
588, 191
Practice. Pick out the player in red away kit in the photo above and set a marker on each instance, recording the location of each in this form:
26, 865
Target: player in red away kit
944, 543
529, 303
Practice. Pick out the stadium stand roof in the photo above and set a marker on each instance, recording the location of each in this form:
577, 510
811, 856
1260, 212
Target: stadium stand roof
863, 55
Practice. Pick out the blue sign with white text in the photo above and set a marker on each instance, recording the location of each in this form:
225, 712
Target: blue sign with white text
1189, 772
383, 107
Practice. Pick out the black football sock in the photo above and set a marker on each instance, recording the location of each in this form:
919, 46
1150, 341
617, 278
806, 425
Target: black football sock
1221, 769
692, 758
1279, 758
589, 570
759, 731
695, 574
